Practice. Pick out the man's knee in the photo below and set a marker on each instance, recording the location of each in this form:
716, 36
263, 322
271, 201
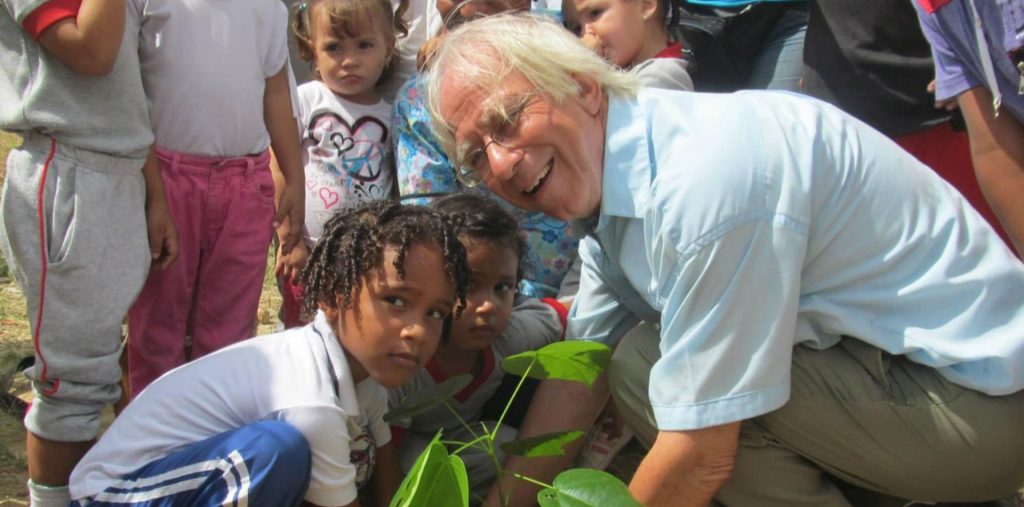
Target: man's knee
630, 368
629, 378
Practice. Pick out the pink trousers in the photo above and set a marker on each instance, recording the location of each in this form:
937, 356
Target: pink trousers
224, 212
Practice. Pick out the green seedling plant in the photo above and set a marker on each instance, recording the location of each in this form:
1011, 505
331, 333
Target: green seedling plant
439, 477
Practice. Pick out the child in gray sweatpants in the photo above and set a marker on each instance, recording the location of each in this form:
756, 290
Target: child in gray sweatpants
75, 211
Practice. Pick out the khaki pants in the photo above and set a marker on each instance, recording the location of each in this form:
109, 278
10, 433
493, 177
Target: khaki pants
891, 427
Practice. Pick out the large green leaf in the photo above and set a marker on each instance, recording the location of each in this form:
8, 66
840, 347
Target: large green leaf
583, 487
579, 361
549, 444
421, 401
435, 479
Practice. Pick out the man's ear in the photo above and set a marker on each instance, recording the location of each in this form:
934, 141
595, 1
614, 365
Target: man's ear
591, 94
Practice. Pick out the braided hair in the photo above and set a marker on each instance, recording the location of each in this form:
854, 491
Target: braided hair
477, 218
352, 247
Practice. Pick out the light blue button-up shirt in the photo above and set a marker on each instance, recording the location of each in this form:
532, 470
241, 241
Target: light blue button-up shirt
746, 224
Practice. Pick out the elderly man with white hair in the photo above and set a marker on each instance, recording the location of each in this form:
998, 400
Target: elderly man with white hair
815, 303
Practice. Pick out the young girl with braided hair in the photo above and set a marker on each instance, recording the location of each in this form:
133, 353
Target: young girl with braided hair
296, 417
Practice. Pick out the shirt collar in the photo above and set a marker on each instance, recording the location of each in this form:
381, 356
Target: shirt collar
347, 400
626, 183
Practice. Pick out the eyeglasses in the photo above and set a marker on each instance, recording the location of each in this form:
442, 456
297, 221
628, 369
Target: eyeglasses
472, 169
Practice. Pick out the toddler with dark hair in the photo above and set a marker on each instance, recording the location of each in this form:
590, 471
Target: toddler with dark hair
495, 324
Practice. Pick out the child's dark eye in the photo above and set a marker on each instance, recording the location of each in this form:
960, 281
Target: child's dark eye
365, 45
332, 48
437, 314
502, 287
595, 13
395, 301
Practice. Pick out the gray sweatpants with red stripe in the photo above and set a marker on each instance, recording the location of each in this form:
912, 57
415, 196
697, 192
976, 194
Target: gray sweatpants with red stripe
73, 230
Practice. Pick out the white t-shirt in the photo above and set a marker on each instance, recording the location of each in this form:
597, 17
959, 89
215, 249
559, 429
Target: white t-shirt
283, 377
346, 151
205, 66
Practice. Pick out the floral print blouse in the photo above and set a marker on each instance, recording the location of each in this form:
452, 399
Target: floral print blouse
424, 173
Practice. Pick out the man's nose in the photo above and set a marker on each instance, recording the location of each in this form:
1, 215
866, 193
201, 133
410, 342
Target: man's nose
503, 161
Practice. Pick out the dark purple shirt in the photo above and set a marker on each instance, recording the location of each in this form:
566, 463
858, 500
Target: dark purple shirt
958, 64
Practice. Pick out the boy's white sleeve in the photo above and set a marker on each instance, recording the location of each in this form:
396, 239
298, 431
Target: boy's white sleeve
375, 406
333, 476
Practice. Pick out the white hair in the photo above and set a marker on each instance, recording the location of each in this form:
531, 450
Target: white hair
480, 54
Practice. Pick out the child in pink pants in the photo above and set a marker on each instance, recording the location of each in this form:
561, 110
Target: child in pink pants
219, 95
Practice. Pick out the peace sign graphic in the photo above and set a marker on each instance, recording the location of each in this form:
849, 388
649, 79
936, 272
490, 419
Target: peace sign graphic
356, 149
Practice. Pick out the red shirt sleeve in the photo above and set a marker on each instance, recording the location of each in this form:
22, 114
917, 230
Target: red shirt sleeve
560, 309
49, 13
397, 436
930, 6
674, 50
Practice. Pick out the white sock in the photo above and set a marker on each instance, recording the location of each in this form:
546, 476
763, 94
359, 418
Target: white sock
48, 496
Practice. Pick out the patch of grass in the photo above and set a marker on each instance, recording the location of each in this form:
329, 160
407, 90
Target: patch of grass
7, 142
14, 460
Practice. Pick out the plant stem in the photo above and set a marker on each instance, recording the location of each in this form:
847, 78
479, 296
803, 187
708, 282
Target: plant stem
529, 479
466, 445
461, 421
494, 455
514, 393
519, 467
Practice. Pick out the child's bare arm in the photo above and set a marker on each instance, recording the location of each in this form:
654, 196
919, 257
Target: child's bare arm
284, 141
89, 42
998, 155
163, 235
288, 265
387, 476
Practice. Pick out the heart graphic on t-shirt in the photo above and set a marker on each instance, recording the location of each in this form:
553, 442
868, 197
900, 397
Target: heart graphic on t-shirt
329, 197
310, 184
322, 217
341, 143
355, 151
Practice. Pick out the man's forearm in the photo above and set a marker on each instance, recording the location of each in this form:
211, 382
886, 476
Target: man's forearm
557, 406
686, 468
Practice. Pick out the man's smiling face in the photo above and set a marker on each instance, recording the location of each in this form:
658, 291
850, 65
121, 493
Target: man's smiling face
544, 157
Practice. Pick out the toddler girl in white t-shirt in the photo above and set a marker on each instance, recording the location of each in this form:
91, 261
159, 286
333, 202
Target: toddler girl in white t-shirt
350, 45
219, 95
